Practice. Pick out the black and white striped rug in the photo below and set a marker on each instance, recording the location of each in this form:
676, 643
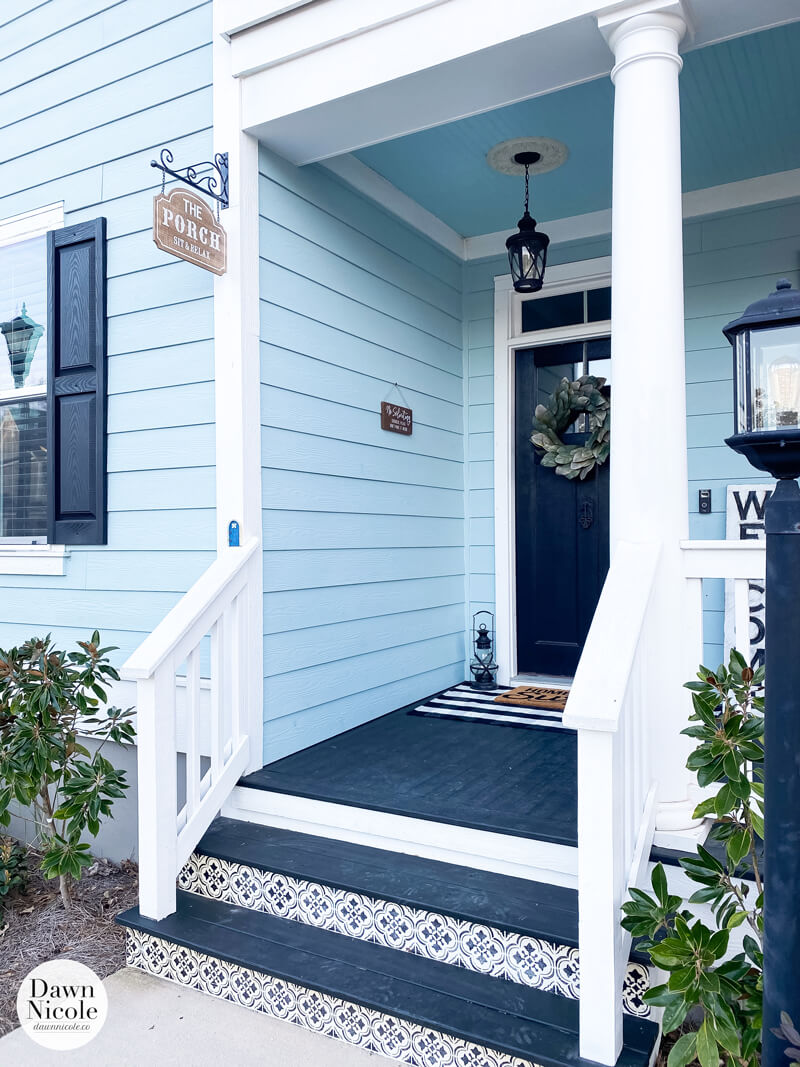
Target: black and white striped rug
473, 705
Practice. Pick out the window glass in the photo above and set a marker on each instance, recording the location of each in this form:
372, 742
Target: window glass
548, 312
23, 470
598, 304
23, 317
23, 373
567, 309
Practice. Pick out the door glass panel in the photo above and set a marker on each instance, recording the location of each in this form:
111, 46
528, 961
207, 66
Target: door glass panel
571, 360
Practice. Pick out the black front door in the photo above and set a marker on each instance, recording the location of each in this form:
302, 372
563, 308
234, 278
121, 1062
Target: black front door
562, 531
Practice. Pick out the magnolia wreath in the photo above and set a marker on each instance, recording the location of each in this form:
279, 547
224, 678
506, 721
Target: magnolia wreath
585, 396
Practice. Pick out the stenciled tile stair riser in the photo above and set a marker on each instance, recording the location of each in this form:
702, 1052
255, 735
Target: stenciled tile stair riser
515, 957
372, 1030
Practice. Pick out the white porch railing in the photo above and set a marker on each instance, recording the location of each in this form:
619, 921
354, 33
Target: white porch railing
608, 706
736, 560
616, 793
191, 678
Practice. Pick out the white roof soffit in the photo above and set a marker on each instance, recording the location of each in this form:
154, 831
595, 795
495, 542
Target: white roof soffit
325, 78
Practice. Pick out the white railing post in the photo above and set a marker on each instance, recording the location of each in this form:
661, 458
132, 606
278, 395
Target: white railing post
252, 660
158, 792
599, 877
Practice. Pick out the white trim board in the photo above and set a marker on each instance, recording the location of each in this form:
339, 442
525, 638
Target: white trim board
30, 224
520, 857
508, 337
33, 559
367, 181
732, 196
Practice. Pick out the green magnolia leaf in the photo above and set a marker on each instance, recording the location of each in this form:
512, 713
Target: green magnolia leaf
683, 1051
705, 808
736, 919
658, 880
707, 1048
674, 1014
738, 847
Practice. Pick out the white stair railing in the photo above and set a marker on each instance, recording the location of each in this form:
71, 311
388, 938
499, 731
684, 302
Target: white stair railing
608, 706
616, 793
195, 725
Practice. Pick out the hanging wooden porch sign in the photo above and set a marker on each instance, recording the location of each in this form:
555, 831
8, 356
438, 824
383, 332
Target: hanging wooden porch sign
184, 225
396, 419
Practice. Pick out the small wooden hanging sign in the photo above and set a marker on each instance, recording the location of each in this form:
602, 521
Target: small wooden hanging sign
184, 225
396, 419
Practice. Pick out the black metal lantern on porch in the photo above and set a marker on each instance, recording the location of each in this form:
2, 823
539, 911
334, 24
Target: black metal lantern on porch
766, 382
766, 375
527, 249
483, 667
22, 336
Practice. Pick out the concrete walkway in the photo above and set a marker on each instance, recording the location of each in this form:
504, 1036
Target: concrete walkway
153, 1023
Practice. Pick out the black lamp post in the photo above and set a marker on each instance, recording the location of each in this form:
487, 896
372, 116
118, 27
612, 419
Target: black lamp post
22, 336
766, 346
527, 249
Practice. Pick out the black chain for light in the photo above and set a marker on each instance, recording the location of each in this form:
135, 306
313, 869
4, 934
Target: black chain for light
526, 188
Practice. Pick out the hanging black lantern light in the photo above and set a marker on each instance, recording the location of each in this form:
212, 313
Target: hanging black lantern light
527, 249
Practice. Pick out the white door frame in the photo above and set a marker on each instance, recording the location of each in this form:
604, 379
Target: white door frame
508, 337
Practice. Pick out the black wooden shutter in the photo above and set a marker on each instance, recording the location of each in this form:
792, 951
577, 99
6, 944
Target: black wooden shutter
76, 384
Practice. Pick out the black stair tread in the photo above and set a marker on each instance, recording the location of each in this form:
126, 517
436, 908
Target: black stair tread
673, 856
517, 904
488, 1011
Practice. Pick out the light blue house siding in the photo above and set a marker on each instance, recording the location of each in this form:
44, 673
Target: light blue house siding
376, 547
90, 91
363, 529
729, 261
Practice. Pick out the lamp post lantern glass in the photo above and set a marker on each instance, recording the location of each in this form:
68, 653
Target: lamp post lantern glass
766, 379
766, 376
483, 667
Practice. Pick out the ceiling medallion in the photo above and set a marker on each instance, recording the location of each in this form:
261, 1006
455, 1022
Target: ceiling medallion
551, 155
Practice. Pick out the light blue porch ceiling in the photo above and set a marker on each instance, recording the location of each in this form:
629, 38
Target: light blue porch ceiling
740, 119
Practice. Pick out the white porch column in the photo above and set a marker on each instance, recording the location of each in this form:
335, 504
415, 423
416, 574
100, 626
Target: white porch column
649, 494
237, 371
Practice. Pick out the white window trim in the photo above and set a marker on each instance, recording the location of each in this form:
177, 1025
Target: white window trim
31, 558
508, 337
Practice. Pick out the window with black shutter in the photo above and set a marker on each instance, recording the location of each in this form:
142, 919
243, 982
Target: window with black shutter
53, 387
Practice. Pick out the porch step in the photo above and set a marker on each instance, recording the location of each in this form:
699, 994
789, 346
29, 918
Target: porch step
419, 1011
515, 929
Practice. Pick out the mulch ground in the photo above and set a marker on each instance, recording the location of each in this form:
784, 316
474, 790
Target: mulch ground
35, 928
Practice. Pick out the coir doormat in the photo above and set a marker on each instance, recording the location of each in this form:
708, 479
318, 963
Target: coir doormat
534, 696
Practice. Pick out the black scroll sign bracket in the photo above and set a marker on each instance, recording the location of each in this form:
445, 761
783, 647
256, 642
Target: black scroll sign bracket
214, 185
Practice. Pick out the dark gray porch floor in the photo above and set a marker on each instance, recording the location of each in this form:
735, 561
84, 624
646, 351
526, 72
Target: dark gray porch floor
482, 775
